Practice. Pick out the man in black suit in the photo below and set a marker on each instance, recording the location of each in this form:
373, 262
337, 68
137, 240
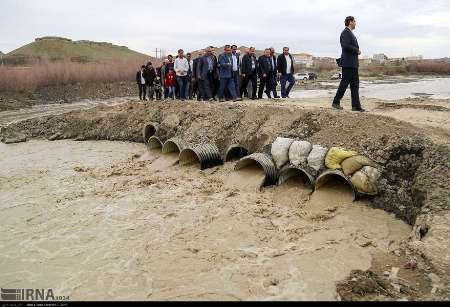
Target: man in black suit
286, 71
249, 72
264, 69
273, 73
196, 84
350, 64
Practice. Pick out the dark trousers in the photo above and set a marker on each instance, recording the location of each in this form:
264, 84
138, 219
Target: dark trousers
150, 91
166, 92
182, 85
283, 80
215, 87
206, 86
254, 79
189, 88
264, 83
273, 83
142, 91
237, 82
201, 90
350, 76
196, 89
227, 83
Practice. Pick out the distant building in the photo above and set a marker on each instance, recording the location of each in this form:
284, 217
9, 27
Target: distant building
365, 61
396, 61
380, 58
303, 59
324, 59
414, 58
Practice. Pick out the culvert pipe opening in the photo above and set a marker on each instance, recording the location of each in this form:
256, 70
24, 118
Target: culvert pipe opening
337, 182
171, 146
235, 153
154, 143
189, 157
250, 164
296, 175
148, 131
206, 156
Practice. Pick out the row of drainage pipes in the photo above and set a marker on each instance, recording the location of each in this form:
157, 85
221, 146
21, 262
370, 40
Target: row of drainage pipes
208, 156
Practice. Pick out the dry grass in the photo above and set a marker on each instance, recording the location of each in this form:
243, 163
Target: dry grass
416, 67
438, 67
28, 79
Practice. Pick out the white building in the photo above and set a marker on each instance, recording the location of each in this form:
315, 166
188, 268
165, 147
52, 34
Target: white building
414, 58
303, 59
380, 58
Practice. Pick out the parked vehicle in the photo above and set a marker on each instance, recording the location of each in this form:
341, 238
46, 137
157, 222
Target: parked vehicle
312, 76
336, 76
301, 76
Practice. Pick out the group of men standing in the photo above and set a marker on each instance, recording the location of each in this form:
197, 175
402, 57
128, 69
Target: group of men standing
226, 77
229, 75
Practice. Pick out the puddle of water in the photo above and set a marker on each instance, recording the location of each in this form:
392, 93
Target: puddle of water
437, 88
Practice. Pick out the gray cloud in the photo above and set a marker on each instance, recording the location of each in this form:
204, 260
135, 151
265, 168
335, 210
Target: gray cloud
393, 27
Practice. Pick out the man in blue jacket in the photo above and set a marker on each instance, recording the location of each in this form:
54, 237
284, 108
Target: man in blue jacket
350, 64
225, 64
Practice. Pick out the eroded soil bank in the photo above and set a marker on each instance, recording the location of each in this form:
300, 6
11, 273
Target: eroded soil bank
414, 185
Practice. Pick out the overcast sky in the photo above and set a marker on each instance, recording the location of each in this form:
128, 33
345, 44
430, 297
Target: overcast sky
397, 28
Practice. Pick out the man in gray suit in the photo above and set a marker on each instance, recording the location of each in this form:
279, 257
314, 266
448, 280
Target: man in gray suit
349, 62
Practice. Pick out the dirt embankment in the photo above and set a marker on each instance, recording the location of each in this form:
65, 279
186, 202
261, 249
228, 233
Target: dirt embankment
415, 180
66, 94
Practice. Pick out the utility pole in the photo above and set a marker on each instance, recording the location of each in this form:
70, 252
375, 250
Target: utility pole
160, 53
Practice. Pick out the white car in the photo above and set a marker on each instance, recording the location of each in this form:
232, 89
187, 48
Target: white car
336, 76
301, 76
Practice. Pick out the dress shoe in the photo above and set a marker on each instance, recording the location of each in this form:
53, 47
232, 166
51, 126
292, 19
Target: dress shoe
337, 107
358, 110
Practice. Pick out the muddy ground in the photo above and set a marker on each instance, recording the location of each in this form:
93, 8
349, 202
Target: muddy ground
64, 94
220, 242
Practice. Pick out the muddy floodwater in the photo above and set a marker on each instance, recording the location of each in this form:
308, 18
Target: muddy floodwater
391, 89
96, 221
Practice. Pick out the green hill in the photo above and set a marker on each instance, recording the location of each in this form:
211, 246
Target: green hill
57, 48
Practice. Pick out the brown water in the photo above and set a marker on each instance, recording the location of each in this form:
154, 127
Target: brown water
249, 179
294, 191
91, 222
165, 161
